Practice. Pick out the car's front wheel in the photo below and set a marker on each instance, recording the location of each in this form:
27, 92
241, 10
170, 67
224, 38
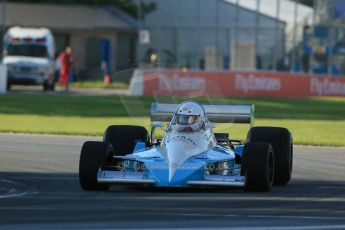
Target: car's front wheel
92, 157
258, 166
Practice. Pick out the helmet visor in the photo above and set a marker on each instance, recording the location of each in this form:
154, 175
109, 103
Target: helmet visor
186, 119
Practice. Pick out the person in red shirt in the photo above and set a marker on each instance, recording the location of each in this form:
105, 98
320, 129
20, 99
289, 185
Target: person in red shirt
67, 62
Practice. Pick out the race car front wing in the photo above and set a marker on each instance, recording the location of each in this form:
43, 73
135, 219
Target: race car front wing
126, 177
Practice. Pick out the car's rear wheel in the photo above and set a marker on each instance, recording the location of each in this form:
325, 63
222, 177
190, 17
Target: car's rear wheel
258, 166
92, 157
123, 138
281, 141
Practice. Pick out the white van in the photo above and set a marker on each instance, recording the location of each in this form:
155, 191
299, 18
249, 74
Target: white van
29, 57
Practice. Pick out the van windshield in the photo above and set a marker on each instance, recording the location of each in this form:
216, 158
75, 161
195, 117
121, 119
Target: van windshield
27, 50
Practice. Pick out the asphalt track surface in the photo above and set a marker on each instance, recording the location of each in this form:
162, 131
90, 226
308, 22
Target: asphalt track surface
40, 173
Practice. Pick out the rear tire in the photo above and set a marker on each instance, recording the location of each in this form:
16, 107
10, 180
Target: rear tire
123, 138
258, 166
93, 156
281, 141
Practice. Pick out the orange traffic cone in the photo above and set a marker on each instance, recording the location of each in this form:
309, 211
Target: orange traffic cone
107, 80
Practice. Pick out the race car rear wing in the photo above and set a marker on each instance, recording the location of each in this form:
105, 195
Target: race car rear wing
216, 113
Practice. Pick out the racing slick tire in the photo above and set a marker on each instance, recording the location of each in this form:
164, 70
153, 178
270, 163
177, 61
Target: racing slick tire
258, 164
124, 137
281, 141
93, 156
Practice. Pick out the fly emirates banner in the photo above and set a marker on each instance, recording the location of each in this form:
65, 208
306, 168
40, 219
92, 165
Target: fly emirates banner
234, 83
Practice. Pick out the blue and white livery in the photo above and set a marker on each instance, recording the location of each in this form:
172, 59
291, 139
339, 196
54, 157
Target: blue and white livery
190, 153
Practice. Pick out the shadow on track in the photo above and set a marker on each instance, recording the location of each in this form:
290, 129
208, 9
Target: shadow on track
58, 198
69, 182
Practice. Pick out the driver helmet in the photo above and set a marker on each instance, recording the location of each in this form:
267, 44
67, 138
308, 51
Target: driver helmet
190, 117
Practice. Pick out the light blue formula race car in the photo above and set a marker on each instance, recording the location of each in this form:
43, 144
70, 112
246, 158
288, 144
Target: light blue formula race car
189, 153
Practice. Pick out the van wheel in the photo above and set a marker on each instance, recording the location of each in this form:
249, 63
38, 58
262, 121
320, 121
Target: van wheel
52, 87
45, 87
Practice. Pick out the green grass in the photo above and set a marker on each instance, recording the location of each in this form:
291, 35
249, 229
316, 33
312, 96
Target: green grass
313, 121
99, 85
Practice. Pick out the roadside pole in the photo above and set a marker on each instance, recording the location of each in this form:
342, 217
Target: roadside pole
138, 31
294, 41
3, 24
235, 67
3, 70
330, 41
311, 59
257, 25
276, 30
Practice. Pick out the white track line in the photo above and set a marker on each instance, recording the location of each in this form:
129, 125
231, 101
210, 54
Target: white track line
13, 192
316, 227
258, 216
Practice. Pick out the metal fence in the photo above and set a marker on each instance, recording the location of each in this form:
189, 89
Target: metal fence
183, 32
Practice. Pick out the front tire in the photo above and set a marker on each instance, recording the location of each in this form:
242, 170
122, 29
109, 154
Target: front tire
281, 141
258, 166
92, 157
